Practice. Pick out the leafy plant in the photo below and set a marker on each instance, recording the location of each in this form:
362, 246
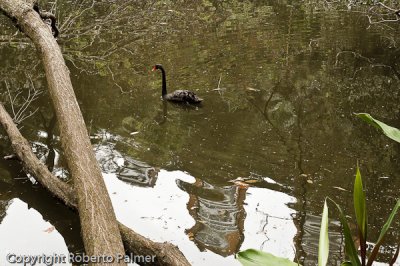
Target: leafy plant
360, 208
253, 257
361, 217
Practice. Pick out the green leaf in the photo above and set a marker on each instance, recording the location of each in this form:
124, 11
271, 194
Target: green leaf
361, 212
253, 257
389, 131
349, 246
382, 235
346, 263
360, 204
323, 247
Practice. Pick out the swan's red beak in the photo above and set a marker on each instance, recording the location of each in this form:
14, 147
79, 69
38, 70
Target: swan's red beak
154, 68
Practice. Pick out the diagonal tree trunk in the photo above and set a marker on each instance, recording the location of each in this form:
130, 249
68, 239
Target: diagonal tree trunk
100, 230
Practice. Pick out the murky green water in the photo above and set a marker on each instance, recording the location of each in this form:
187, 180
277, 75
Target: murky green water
280, 85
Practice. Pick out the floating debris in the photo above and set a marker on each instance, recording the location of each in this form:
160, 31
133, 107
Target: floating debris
269, 180
191, 236
252, 89
49, 230
251, 181
339, 188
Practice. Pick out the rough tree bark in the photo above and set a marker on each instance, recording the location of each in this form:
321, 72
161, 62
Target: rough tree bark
165, 253
100, 230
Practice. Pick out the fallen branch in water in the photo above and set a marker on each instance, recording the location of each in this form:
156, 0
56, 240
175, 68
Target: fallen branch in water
165, 253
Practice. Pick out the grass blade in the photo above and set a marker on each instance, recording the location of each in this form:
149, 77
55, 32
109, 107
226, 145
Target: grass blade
382, 235
350, 248
323, 247
361, 213
389, 131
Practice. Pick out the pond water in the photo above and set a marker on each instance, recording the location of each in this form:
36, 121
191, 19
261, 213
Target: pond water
280, 83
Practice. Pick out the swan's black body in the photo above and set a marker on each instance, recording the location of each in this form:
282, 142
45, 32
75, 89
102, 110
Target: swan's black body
176, 96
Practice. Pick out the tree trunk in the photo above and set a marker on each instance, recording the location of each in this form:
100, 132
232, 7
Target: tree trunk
100, 230
165, 253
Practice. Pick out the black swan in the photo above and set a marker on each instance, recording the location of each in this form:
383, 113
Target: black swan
176, 96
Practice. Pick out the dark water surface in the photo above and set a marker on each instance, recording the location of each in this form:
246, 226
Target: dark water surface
280, 85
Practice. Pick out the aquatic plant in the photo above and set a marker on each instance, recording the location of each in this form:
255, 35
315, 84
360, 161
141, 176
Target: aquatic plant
359, 200
360, 208
253, 257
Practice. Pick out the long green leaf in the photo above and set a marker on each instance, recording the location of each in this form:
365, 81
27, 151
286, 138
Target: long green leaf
360, 204
382, 235
350, 248
361, 212
253, 257
323, 247
389, 131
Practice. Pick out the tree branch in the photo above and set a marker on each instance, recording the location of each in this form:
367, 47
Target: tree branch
165, 253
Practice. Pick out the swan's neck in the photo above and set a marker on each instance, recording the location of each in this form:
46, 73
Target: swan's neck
164, 83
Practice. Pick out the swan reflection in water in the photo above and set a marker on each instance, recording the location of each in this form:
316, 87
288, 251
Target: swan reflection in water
219, 216
162, 115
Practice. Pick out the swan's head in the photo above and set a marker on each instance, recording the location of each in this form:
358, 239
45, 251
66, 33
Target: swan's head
158, 66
